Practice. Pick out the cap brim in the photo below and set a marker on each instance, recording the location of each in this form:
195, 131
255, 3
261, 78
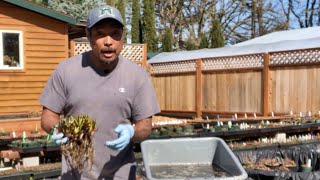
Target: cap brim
105, 19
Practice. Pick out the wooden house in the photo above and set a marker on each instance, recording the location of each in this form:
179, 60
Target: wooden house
34, 40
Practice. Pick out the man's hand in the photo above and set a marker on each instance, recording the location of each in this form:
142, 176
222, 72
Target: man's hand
125, 132
59, 138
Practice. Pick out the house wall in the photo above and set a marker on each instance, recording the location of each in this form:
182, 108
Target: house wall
45, 45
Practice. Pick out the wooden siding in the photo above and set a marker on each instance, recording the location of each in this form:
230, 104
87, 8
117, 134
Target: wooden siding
45, 45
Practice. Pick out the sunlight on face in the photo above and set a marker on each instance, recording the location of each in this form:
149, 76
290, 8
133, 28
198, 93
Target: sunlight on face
106, 41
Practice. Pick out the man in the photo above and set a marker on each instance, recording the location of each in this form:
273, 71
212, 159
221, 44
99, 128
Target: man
114, 91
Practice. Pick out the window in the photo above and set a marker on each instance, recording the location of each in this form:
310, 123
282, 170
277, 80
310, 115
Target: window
11, 50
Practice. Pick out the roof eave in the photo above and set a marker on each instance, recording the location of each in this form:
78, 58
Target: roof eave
43, 10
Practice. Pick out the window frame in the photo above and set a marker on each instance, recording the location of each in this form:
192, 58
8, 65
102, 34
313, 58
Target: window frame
21, 57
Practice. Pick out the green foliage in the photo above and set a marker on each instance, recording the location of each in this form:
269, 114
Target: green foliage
122, 8
190, 45
167, 41
111, 2
75, 8
40, 2
149, 31
216, 35
136, 22
203, 41
121, 5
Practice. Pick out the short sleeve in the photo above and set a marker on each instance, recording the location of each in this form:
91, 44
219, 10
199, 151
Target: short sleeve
145, 103
53, 95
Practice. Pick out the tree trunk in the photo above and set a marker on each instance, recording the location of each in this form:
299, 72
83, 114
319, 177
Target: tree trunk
253, 19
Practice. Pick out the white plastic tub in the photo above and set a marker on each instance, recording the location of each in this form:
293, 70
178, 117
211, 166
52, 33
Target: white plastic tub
190, 158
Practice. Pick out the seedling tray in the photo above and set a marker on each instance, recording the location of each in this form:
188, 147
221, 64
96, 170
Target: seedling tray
46, 174
26, 149
18, 176
51, 148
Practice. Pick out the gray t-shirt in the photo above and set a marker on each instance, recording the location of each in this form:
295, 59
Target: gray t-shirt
123, 95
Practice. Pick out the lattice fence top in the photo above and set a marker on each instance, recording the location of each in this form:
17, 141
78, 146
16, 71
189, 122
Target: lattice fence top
234, 62
80, 47
295, 57
173, 67
133, 52
217, 63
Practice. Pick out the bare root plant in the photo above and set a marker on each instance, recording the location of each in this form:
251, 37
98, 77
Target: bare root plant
79, 148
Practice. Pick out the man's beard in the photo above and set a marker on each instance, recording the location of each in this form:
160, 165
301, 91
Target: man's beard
107, 62
107, 49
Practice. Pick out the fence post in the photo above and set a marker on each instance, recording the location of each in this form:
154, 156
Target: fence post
199, 88
145, 56
266, 84
71, 48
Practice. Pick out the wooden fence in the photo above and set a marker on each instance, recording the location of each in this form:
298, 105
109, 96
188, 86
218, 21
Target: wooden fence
278, 82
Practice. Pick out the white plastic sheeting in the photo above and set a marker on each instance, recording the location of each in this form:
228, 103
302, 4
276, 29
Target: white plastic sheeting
294, 34
277, 41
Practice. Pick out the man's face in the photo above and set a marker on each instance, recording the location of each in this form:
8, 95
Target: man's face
106, 41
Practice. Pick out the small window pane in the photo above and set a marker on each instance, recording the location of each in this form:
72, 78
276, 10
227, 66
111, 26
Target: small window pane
11, 49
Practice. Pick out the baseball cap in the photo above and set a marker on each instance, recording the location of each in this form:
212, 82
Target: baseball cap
103, 12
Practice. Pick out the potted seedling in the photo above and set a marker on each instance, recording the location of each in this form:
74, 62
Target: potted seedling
170, 130
155, 133
45, 141
35, 133
32, 144
79, 148
4, 133
24, 142
4, 136
15, 143
224, 127
49, 142
164, 131
307, 167
178, 130
35, 130
188, 129
218, 126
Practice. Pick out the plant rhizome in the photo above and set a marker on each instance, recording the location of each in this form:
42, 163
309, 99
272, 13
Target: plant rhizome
79, 148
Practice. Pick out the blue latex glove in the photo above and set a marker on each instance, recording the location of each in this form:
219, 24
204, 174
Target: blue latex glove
125, 133
59, 138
